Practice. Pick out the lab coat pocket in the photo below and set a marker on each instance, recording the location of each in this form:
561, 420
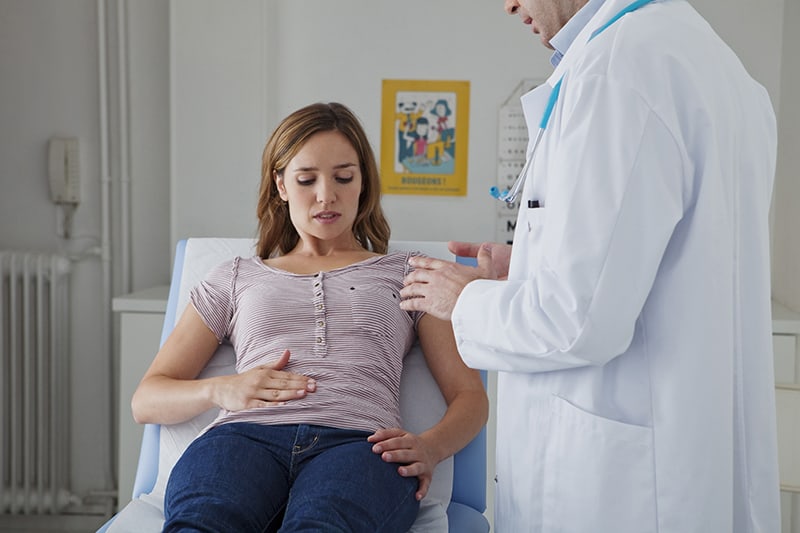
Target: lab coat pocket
528, 240
533, 219
599, 474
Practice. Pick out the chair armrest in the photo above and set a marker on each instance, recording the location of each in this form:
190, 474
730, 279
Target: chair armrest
147, 469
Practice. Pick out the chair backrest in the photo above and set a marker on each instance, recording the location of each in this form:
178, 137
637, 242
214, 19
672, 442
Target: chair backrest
468, 467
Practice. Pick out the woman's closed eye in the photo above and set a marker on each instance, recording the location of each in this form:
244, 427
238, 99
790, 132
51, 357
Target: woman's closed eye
306, 181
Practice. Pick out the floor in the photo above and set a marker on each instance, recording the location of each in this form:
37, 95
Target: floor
51, 524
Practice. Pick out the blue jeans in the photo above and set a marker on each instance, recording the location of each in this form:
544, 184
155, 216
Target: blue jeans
244, 477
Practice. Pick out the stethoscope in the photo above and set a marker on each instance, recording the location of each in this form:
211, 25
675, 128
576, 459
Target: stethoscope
510, 195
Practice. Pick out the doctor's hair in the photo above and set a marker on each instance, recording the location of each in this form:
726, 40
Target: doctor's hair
276, 233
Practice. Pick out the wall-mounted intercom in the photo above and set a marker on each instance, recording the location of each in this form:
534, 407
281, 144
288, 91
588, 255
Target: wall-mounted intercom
64, 170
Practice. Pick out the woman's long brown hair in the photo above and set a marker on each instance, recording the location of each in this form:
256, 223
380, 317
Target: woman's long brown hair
276, 233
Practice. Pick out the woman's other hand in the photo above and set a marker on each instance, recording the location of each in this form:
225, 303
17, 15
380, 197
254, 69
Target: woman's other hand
415, 455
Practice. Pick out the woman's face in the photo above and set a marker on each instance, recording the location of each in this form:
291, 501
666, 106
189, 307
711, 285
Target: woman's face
322, 184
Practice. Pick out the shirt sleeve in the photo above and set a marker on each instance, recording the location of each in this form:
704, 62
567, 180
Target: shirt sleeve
616, 191
213, 298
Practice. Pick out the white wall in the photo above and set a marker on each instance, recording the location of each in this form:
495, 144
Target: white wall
50, 80
786, 255
326, 51
316, 51
235, 69
219, 106
754, 29
148, 120
48, 87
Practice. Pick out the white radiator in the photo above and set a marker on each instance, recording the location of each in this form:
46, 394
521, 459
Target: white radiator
34, 383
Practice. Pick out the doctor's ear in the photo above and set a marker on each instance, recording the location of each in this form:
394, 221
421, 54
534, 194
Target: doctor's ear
280, 186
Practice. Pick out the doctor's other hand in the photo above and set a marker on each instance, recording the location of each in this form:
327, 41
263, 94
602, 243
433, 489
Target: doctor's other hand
262, 386
435, 285
501, 254
416, 457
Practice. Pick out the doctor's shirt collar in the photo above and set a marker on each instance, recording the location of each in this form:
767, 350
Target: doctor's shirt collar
562, 40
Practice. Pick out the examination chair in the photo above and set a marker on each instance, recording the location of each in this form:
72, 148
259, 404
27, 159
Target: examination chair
457, 497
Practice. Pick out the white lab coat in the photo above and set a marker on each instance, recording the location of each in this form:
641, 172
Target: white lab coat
633, 336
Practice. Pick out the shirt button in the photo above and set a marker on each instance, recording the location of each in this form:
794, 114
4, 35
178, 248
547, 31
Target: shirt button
320, 306
321, 323
319, 340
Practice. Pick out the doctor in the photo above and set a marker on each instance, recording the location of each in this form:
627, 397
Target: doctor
632, 335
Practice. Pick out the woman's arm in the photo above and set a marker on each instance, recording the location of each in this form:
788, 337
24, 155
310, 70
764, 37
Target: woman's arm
169, 392
467, 409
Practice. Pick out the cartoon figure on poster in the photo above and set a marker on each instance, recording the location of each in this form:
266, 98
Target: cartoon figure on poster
425, 125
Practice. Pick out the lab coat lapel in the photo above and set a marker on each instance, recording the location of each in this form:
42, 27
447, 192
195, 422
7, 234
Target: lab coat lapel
609, 9
533, 106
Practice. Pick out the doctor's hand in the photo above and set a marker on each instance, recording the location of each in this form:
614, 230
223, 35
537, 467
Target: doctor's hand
262, 386
501, 254
434, 285
417, 458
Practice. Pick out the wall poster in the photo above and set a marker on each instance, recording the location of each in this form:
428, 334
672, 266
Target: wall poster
424, 137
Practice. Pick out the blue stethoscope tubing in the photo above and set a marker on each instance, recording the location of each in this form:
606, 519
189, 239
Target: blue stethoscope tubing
510, 195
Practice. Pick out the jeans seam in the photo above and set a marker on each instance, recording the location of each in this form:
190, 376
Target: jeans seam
298, 450
397, 508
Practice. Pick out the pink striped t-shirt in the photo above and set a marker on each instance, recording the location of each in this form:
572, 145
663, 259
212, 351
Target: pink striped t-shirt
344, 328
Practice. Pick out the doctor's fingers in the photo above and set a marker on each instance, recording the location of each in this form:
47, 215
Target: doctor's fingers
439, 289
427, 269
428, 263
464, 249
443, 272
435, 301
440, 307
493, 260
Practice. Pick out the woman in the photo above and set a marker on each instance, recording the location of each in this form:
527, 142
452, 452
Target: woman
309, 435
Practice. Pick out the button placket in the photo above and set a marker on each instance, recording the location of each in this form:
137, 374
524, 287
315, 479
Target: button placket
320, 315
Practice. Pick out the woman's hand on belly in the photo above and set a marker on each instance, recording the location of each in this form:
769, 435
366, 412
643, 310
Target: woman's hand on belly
262, 386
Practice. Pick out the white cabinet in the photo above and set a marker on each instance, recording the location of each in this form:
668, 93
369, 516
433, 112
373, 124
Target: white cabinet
141, 316
785, 332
